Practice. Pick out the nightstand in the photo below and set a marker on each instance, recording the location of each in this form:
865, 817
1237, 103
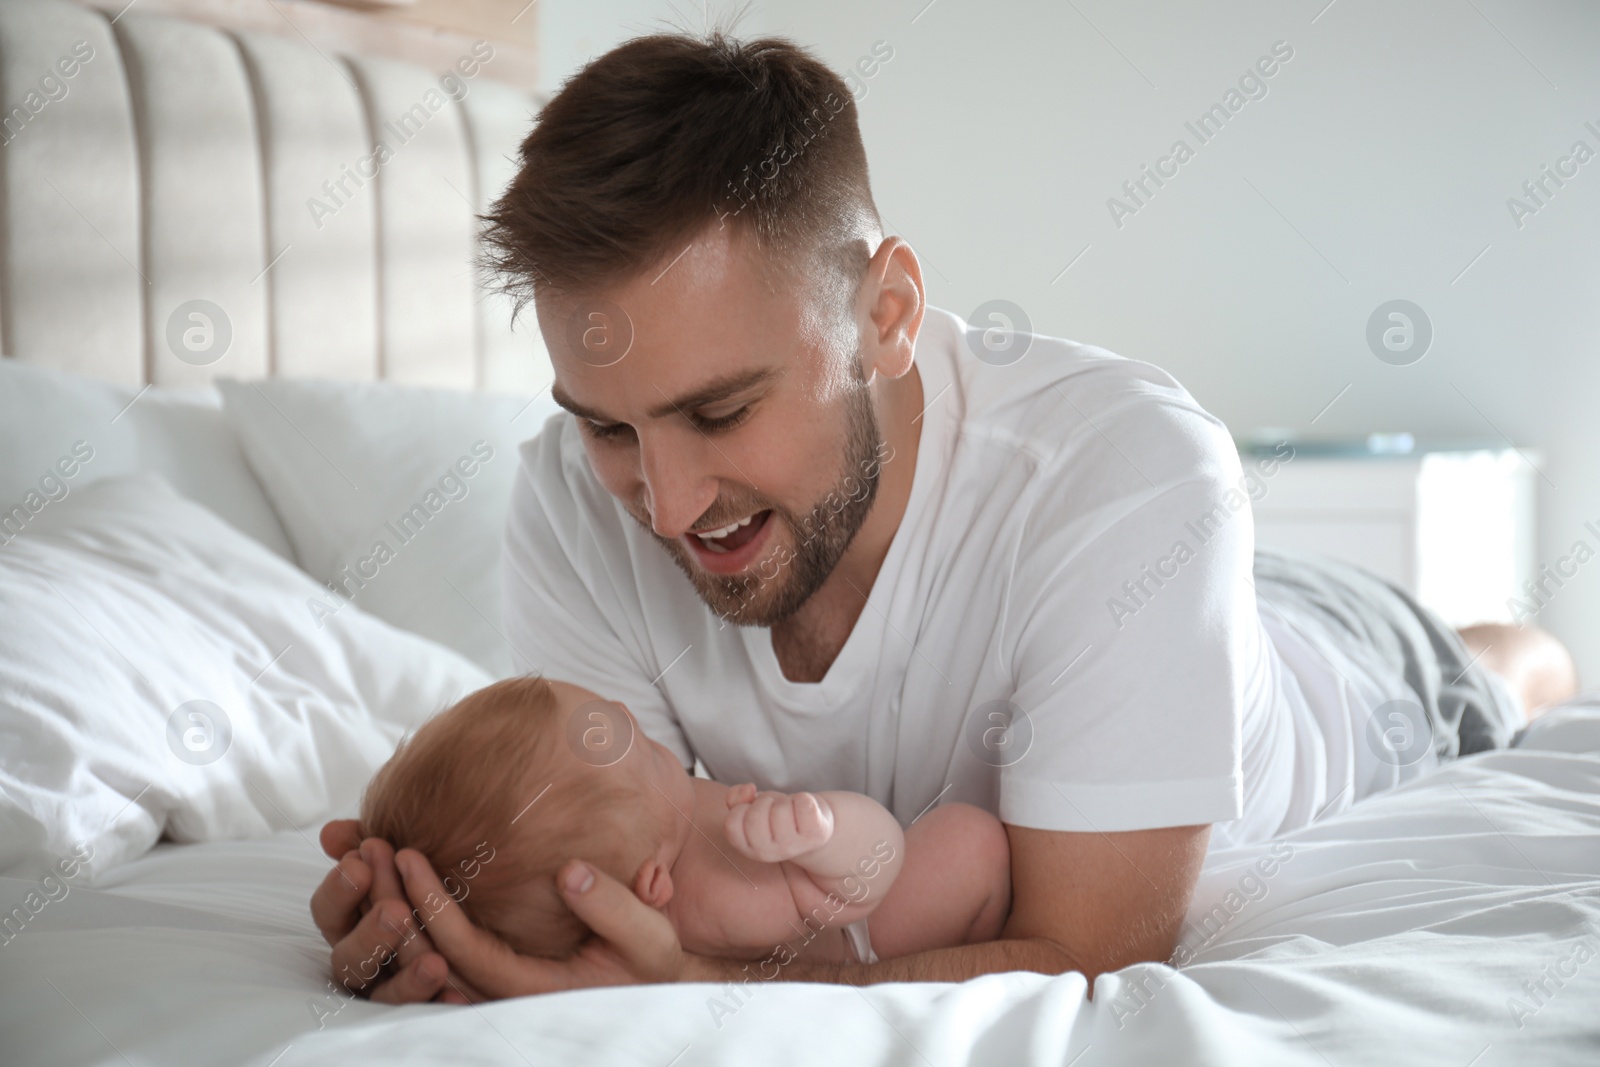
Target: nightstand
1451, 523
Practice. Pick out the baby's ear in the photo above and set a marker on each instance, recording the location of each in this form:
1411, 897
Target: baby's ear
653, 883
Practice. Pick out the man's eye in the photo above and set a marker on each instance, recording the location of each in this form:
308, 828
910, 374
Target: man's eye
724, 422
605, 430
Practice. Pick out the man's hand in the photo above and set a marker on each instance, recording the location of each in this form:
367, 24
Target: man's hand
362, 911
632, 941
370, 917
770, 827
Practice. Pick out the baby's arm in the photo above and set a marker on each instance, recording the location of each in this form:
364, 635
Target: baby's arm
955, 888
848, 843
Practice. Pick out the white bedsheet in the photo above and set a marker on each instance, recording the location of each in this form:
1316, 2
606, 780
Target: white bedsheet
1398, 932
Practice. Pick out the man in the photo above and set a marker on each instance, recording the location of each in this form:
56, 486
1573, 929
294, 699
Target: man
925, 561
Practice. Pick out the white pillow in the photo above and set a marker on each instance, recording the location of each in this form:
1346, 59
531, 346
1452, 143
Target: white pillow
163, 673
395, 494
59, 432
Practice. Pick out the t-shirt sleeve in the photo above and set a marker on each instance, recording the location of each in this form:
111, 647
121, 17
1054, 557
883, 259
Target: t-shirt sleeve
1134, 613
567, 586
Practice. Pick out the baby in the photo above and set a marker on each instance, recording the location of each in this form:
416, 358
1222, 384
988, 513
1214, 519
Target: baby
501, 789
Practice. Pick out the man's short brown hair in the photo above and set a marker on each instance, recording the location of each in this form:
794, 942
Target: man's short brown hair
668, 134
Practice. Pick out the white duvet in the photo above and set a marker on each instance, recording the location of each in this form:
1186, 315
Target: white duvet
1454, 921
162, 674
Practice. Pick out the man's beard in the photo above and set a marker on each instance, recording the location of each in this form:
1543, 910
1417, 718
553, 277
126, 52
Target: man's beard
772, 590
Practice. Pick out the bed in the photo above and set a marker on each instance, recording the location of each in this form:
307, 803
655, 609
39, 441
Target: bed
1407, 930
203, 653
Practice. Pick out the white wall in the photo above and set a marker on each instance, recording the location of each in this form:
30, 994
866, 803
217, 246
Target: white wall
1377, 166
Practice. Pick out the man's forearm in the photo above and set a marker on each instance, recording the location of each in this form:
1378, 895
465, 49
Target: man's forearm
955, 964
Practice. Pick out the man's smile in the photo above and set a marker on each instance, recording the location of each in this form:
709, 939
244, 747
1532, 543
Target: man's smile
732, 548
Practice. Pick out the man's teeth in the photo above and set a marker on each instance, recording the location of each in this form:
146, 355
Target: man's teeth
725, 531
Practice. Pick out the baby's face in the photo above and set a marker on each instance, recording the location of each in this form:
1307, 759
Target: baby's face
604, 733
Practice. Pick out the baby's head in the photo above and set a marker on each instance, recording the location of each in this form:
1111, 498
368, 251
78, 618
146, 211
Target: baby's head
505, 786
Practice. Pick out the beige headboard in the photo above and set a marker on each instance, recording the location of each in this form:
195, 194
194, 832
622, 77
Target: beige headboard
324, 203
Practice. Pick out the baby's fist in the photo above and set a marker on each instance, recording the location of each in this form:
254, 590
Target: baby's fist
771, 827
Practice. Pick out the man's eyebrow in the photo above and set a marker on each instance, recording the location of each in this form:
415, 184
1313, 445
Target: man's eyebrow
711, 393
573, 406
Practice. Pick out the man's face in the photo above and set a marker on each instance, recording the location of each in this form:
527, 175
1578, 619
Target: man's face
732, 422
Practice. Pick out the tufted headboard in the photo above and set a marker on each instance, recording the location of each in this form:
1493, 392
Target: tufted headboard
185, 184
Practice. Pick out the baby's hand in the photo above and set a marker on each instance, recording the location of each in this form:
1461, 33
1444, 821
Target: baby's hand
776, 826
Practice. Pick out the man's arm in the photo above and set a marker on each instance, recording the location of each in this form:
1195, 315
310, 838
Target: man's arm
1080, 902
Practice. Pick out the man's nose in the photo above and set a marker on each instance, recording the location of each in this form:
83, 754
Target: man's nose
678, 486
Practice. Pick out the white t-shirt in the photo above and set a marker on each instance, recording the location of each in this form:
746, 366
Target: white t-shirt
991, 664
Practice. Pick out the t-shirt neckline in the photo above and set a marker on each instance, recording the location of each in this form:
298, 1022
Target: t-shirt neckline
851, 669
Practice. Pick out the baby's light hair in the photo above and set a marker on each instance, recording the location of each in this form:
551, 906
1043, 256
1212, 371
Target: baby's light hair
465, 784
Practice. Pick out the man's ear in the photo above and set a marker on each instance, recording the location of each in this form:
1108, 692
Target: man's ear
892, 302
653, 883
